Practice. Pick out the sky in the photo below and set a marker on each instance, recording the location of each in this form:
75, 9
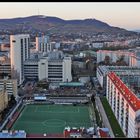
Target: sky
119, 14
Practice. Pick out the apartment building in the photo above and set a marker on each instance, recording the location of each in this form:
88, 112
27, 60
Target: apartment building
114, 55
125, 105
130, 74
9, 86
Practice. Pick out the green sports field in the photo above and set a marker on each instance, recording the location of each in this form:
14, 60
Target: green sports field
41, 119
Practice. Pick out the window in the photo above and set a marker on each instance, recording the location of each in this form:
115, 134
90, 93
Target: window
13, 41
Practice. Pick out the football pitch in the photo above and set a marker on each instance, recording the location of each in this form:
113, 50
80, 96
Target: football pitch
39, 119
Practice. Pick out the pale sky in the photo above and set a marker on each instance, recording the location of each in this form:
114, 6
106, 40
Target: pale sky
124, 15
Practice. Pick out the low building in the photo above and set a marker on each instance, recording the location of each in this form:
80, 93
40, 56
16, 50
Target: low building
13, 134
98, 44
103, 132
81, 132
54, 68
3, 100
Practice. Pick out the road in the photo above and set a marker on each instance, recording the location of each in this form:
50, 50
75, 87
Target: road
104, 117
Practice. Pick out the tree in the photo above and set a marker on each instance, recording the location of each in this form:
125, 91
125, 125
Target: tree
12, 101
121, 61
107, 60
93, 98
121, 58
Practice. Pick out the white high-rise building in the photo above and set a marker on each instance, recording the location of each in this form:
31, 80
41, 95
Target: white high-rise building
19, 53
125, 105
43, 44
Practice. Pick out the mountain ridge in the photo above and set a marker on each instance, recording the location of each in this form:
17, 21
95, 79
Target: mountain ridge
44, 23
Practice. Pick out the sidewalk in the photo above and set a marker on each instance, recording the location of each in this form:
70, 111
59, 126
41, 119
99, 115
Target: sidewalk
103, 114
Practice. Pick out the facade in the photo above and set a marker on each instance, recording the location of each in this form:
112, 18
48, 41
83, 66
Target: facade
97, 44
103, 132
54, 68
114, 55
31, 69
9, 86
5, 70
19, 53
125, 105
3, 100
134, 61
43, 44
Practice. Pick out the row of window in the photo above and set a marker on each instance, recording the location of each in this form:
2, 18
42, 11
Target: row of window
120, 113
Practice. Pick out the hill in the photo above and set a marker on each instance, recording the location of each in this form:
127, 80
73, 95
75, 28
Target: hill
41, 23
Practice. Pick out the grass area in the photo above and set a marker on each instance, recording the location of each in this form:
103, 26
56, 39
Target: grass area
112, 119
39, 119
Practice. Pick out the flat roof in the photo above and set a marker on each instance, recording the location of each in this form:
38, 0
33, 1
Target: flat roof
71, 84
15, 134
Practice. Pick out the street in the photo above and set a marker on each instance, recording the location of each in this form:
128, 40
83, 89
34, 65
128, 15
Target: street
104, 117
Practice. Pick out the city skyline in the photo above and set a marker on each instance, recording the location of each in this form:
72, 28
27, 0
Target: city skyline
107, 12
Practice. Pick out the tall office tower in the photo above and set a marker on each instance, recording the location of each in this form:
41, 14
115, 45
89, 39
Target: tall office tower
19, 53
43, 44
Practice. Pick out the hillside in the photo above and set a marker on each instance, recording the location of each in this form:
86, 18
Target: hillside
43, 23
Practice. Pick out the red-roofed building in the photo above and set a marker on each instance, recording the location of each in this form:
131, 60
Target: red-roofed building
72, 132
125, 105
102, 133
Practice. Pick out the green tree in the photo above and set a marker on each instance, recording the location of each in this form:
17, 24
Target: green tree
107, 60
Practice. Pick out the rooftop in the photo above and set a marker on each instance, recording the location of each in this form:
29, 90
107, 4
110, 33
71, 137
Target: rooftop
13, 134
103, 132
71, 84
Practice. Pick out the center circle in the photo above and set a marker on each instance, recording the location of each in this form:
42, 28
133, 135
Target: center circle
54, 123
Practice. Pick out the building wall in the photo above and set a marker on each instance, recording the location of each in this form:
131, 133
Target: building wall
31, 70
43, 69
6, 69
43, 44
133, 61
121, 108
3, 100
67, 69
19, 53
114, 55
101, 77
10, 86
55, 70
